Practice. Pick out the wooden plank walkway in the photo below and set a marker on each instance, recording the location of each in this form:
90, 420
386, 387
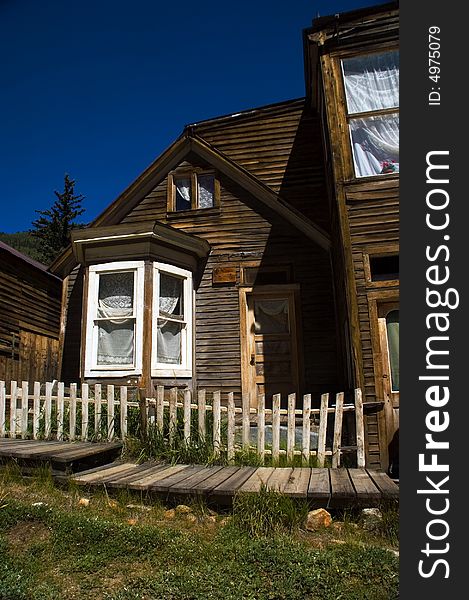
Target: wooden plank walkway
335, 488
61, 456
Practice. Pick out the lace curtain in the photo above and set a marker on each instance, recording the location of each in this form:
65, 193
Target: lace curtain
375, 143
169, 332
372, 84
183, 193
205, 191
271, 316
116, 333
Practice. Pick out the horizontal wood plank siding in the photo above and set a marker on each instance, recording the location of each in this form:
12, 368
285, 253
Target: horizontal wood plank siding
30, 301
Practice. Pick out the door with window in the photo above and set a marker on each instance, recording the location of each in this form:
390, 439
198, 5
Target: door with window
270, 353
388, 323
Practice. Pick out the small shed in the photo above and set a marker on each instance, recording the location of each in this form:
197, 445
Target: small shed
30, 300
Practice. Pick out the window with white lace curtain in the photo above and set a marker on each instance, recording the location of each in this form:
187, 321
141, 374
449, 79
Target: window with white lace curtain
114, 319
192, 191
172, 322
371, 84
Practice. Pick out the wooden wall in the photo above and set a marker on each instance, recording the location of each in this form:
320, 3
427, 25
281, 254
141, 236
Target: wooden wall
280, 145
29, 319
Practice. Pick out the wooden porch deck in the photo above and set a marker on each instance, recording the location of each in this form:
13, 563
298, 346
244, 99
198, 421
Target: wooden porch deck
322, 487
62, 457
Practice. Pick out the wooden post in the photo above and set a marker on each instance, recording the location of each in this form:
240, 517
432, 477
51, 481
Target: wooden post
231, 427
306, 434
48, 411
110, 413
142, 394
261, 427
97, 411
73, 411
339, 407
85, 399
291, 427
201, 409
246, 421
216, 409
187, 415
123, 415
359, 428
276, 428
36, 409
173, 415
24, 409
322, 430
160, 408
2, 408
60, 410
13, 396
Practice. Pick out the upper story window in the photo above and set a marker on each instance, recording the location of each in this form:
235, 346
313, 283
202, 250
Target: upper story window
372, 98
192, 191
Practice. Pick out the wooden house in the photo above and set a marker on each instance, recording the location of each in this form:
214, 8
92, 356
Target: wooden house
213, 268
257, 254
352, 79
30, 304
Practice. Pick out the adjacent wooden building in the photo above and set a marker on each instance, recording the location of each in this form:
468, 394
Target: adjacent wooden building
30, 304
259, 253
352, 75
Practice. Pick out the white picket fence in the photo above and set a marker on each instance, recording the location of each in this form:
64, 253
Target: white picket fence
102, 413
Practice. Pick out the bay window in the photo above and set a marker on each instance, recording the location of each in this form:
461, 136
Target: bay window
115, 319
372, 101
172, 321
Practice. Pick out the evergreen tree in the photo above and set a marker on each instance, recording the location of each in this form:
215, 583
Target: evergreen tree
53, 227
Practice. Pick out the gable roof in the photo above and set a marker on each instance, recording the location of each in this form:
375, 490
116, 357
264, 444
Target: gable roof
26, 259
191, 143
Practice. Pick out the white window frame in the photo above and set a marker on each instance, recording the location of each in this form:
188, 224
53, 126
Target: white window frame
185, 368
92, 369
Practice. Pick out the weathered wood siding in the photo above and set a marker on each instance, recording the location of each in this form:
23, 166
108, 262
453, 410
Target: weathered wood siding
241, 232
29, 319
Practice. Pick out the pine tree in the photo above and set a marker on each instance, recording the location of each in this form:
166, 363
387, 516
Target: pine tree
53, 227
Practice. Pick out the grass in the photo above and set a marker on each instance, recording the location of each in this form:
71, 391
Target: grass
128, 548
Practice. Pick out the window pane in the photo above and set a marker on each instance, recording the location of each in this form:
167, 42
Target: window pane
116, 342
171, 298
183, 193
372, 82
271, 316
116, 294
168, 342
392, 328
375, 145
206, 186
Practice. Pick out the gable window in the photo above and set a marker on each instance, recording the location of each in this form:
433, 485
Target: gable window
372, 99
172, 321
115, 319
192, 191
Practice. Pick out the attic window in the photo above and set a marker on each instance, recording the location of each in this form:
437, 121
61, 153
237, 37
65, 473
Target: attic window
192, 191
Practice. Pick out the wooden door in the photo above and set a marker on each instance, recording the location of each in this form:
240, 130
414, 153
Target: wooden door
271, 345
388, 327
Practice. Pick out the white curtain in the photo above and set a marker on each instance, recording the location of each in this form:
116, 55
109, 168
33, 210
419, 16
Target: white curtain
116, 334
372, 82
271, 316
183, 193
375, 144
169, 332
206, 190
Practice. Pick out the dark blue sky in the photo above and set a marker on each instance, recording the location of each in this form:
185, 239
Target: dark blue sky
98, 89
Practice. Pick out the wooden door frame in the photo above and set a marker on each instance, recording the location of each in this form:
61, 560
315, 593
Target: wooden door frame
290, 291
386, 418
